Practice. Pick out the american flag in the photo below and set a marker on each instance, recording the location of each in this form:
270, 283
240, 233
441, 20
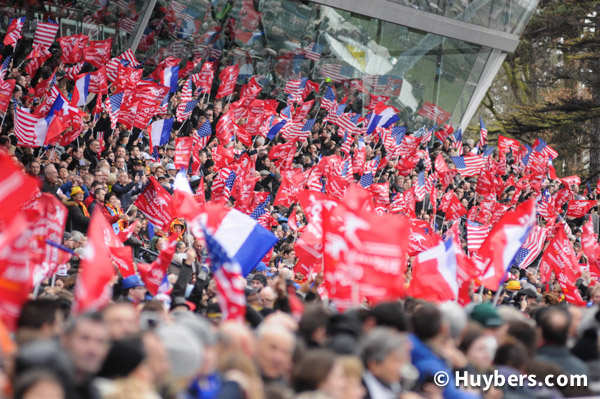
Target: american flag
286, 113
476, 235
261, 209
315, 182
426, 158
458, 144
420, 187
295, 88
230, 283
128, 25
25, 129
297, 130
187, 111
383, 85
344, 170
313, 51
347, 143
45, 33
328, 101
370, 168
336, 72
201, 139
115, 106
223, 183
338, 112
4, 67
483, 132
541, 146
123, 4
488, 150
13, 33
347, 121
531, 248
178, 9
128, 55
91, 28
469, 165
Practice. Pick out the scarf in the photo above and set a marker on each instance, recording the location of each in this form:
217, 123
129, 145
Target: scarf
83, 208
116, 211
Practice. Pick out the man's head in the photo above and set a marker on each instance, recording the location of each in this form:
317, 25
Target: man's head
99, 195
121, 320
133, 289
94, 146
77, 193
428, 323
267, 297
39, 318
123, 178
4, 143
51, 174
274, 350
384, 352
259, 281
554, 322
87, 342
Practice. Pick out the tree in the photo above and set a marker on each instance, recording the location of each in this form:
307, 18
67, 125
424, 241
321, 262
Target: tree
550, 86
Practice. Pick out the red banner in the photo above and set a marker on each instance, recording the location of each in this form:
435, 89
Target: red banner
97, 52
578, 209
204, 79
183, 151
149, 96
433, 112
228, 78
6, 89
155, 203
98, 81
72, 48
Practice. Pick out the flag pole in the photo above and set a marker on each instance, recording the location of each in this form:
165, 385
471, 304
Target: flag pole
2, 124
497, 296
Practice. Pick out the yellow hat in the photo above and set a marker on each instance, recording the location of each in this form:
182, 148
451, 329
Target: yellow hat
76, 190
513, 285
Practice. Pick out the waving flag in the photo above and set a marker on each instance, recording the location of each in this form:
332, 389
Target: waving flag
45, 33
328, 101
504, 241
13, 32
578, 209
590, 246
187, 111
72, 48
201, 138
457, 142
81, 91
531, 248
313, 51
420, 187
483, 132
155, 203
92, 290
159, 132
541, 146
228, 78
168, 77
384, 116
476, 235
36, 58
469, 165
222, 185
230, 283
336, 72
435, 272
30, 130
297, 130
154, 275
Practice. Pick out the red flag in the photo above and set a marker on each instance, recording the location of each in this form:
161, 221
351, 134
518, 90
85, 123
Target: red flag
72, 48
92, 290
184, 204
127, 232
578, 208
98, 81
36, 58
128, 78
290, 187
153, 274
590, 246
155, 203
503, 242
15, 272
15, 188
454, 209
183, 151
506, 144
560, 257
228, 77
222, 156
200, 195
97, 52
203, 80
6, 90
362, 260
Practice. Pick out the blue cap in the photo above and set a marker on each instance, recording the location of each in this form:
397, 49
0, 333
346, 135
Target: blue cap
261, 267
131, 282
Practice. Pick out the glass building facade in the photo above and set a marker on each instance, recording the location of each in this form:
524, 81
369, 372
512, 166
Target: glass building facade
433, 59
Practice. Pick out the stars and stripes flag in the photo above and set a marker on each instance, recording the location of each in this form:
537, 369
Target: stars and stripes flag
123, 4
230, 283
222, 185
128, 25
298, 89
115, 105
336, 72
313, 51
328, 101
29, 129
476, 235
469, 165
368, 176
347, 143
541, 146
457, 141
73, 71
4, 67
260, 211
178, 9
201, 138
420, 187
335, 114
347, 121
13, 32
45, 33
483, 132
297, 130
187, 111
531, 248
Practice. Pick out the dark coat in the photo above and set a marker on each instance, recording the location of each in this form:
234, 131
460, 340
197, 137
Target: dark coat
77, 220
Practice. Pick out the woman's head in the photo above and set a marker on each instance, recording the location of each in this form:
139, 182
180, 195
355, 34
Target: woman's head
319, 370
476, 347
111, 199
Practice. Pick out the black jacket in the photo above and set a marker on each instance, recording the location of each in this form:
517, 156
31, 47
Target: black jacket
77, 220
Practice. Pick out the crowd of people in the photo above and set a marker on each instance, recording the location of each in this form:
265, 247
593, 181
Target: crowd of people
295, 342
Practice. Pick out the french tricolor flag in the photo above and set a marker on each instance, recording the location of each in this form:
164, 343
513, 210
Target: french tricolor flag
241, 237
169, 76
81, 91
382, 116
159, 132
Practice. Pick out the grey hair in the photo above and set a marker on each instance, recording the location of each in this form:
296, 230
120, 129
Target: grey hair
77, 236
379, 343
455, 316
